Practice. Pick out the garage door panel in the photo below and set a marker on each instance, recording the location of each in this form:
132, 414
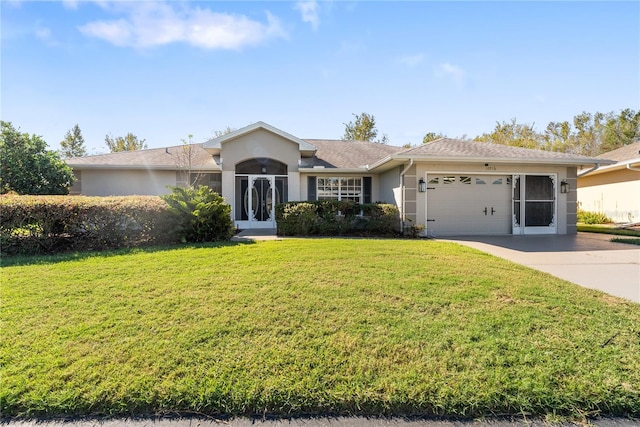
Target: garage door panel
456, 204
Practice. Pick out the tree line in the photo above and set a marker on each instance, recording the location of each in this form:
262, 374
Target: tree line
587, 134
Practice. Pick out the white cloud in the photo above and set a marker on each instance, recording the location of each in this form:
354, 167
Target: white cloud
453, 72
411, 60
149, 24
70, 4
309, 11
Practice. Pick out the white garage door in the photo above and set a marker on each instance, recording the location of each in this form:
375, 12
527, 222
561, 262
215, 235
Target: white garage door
468, 204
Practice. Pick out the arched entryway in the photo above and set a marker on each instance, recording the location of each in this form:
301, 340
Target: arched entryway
260, 184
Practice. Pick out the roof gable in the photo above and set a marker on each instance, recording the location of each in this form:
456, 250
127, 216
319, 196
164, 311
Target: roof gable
215, 145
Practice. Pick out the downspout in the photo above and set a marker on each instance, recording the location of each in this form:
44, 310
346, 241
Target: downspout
589, 170
402, 204
632, 168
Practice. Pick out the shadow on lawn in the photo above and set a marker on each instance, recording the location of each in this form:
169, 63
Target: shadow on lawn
18, 260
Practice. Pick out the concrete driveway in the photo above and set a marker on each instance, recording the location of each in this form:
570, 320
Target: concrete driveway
586, 259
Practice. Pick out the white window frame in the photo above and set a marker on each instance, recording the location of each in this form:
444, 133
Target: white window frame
339, 192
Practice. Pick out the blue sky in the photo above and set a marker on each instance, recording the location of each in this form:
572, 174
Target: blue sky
164, 70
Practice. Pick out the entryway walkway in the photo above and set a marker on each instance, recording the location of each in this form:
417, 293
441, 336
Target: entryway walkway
586, 259
256, 234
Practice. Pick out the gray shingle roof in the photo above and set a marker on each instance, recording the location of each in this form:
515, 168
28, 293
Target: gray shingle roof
169, 157
347, 154
458, 148
339, 154
628, 152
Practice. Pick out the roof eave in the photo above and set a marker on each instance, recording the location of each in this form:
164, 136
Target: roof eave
142, 167
614, 167
333, 170
502, 160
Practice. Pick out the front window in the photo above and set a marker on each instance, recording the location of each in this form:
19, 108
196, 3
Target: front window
339, 188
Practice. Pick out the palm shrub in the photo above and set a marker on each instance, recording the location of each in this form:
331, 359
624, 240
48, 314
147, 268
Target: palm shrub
203, 215
587, 217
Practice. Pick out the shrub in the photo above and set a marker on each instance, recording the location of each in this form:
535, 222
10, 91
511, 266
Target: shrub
48, 224
586, 217
296, 218
202, 214
336, 218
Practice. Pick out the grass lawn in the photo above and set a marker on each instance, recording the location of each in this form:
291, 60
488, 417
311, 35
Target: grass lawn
319, 326
615, 231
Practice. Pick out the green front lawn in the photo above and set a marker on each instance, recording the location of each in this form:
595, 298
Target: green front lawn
323, 326
608, 230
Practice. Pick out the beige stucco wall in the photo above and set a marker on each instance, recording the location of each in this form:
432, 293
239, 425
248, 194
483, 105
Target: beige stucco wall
257, 144
566, 203
388, 186
260, 143
615, 194
112, 182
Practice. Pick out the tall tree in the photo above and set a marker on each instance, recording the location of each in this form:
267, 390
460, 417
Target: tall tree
363, 129
588, 134
514, 134
27, 167
129, 142
431, 136
73, 144
620, 130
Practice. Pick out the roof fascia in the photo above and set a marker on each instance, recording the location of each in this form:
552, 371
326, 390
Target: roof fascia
333, 171
614, 167
217, 142
142, 167
505, 160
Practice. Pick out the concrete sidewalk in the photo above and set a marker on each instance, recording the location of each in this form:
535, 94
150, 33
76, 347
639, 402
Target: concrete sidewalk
586, 259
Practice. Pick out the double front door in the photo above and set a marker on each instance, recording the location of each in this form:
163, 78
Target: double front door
256, 198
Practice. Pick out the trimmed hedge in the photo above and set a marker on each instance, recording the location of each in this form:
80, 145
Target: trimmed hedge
337, 218
49, 224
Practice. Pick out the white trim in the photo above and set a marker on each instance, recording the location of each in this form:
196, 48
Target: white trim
531, 230
216, 143
489, 159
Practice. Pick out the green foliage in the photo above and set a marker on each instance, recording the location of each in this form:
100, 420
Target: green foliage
363, 129
27, 167
129, 142
203, 214
431, 136
73, 144
49, 224
310, 326
337, 218
586, 217
587, 134
514, 134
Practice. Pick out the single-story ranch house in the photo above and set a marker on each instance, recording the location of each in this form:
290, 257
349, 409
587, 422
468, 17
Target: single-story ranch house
452, 187
613, 190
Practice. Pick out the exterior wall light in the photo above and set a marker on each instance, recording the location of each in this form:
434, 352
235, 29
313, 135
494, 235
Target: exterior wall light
422, 185
564, 186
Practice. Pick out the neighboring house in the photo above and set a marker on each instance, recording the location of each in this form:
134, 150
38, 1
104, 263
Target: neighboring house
452, 187
613, 189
